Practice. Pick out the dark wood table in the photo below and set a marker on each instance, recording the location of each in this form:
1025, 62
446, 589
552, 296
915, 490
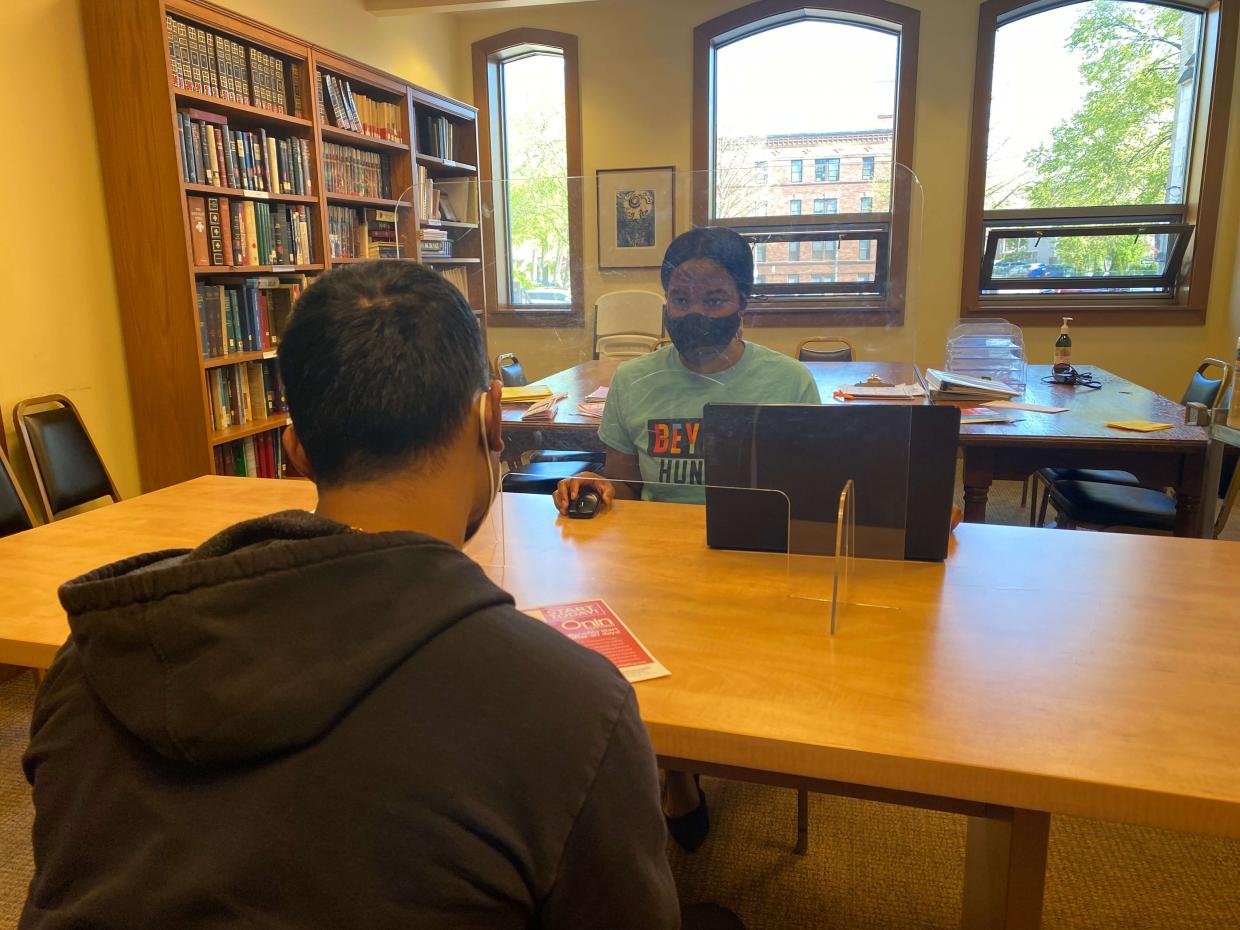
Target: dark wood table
1079, 438
571, 430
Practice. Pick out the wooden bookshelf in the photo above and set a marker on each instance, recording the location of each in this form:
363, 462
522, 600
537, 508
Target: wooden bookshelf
136, 101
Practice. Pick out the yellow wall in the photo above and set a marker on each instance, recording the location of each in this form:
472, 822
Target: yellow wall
59, 314
636, 73
59, 319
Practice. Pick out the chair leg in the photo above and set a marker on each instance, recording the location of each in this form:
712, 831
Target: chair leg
802, 846
1046, 499
38, 674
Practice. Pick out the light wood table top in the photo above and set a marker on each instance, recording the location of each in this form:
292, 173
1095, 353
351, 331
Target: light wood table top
1071, 672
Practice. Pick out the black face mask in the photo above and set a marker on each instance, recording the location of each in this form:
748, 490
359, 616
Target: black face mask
695, 334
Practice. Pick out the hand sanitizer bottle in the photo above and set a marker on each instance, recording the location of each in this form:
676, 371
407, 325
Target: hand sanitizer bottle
1062, 369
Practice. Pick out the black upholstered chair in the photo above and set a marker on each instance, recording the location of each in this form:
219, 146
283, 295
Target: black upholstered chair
15, 513
67, 466
1122, 506
825, 349
1201, 389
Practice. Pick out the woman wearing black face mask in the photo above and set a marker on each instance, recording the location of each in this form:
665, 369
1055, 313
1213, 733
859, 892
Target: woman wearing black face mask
653, 417
652, 423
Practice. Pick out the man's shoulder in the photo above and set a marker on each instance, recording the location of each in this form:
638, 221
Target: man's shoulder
635, 368
767, 356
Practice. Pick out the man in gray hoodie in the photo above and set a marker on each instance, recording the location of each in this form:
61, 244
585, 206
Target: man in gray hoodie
334, 719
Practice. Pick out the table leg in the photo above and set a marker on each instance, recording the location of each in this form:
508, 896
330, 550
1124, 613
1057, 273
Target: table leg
979, 472
1005, 870
1192, 516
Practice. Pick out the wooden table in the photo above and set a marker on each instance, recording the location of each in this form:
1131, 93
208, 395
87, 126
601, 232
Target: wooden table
571, 430
1032, 673
1079, 438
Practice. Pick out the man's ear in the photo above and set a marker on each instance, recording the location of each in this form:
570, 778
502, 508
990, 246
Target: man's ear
495, 419
295, 452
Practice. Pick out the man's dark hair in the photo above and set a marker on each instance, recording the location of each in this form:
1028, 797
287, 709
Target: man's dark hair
725, 247
381, 362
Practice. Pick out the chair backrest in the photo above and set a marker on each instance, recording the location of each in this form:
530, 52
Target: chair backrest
67, 466
628, 313
825, 349
1205, 390
509, 371
625, 345
15, 513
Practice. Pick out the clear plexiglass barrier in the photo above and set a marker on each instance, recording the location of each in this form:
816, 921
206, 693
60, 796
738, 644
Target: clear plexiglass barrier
741, 341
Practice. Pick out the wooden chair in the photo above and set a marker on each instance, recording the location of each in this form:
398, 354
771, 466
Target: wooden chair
816, 350
68, 469
15, 515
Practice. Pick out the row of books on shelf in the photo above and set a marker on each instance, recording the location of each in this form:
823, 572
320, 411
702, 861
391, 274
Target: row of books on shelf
347, 170
356, 233
437, 137
435, 243
245, 233
214, 153
260, 456
445, 199
247, 316
340, 105
245, 393
456, 277
218, 66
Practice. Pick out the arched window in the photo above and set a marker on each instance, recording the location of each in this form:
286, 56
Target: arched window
526, 89
811, 105
1097, 156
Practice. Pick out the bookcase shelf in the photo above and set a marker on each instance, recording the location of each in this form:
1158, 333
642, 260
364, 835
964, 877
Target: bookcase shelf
255, 269
450, 224
361, 140
358, 261
464, 260
237, 358
241, 193
353, 200
139, 133
445, 166
247, 114
221, 436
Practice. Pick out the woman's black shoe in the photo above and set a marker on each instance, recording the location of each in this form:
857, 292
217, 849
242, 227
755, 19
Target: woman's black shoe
690, 830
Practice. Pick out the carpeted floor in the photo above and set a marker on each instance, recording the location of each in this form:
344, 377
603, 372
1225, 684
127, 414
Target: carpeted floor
870, 866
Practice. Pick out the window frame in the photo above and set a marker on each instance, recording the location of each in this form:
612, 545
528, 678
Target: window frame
796, 171
825, 307
1203, 190
488, 54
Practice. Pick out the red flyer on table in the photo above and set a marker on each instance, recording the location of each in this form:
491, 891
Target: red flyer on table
595, 625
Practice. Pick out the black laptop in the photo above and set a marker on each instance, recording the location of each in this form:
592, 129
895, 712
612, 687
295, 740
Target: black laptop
901, 459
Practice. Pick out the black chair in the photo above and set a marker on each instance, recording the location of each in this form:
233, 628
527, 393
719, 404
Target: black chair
1123, 506
1201, 390
67, 466
15, 515
813, 350
546, 467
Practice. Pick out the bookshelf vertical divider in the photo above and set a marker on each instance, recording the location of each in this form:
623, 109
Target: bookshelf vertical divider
137, 100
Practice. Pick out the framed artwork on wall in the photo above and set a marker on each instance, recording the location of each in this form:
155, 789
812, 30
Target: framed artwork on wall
636, 216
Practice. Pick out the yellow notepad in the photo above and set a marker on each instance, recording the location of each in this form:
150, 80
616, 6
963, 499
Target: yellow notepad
1139, 426
525, 394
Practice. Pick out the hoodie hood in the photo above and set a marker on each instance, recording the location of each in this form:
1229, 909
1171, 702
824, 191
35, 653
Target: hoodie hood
256, 642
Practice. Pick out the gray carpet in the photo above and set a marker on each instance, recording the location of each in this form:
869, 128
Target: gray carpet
870, 866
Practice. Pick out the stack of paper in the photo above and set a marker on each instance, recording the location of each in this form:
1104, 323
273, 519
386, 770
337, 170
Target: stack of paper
896, 392
543, 409
948, 386
592, 409
525, 394
599, 393
975, 415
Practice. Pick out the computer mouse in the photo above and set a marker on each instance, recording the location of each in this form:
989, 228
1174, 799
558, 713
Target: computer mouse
585, 505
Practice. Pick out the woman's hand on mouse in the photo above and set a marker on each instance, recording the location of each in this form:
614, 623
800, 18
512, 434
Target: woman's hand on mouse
568, 489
